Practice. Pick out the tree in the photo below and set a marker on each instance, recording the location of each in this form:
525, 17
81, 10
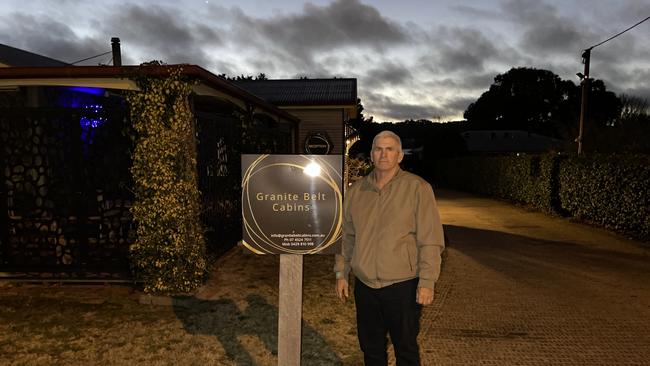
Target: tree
633, 109
260, 76
630, 132
539, 101
365, 129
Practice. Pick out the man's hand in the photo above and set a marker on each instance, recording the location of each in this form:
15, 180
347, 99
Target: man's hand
342, 289
424, 296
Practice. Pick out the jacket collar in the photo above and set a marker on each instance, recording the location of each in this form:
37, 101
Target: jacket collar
371, 179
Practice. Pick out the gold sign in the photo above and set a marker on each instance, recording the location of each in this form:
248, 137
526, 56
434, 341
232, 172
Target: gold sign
292, 204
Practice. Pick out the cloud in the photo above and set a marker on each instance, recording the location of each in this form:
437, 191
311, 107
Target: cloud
631, 10
458, 105
466, 49
406, 69
340, 24
162, 33
50, 38
147, 33
386, 107
472, 12
544, 31
461, 51
641, 92
469, 82
389, 73
632, 81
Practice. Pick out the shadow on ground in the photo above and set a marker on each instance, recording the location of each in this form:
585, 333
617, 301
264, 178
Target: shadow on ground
258, 324
528, 258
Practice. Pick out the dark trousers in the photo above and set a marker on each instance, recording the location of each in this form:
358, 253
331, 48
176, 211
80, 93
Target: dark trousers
389, 310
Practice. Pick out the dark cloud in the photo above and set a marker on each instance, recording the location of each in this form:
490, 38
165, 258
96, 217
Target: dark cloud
455, 59
340, 24
458, 105
473, 81
467, 49
59, 41
472, 12
641, 92
630, 81
388, 73
544, 31
480, 81
164, 34
263, 63
555, 37
462, 51
156, 32
630, 11
395, 111
606, 70
467, 83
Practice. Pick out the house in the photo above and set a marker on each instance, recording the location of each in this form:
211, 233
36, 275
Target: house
322, 105
15, 57
509, 141
66, 190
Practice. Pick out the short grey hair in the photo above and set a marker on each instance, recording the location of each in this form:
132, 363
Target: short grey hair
387, 133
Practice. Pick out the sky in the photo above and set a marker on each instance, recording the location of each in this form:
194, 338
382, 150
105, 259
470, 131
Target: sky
413, 59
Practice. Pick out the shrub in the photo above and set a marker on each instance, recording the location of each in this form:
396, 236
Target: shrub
356, 169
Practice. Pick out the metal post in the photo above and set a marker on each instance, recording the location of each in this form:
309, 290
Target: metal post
584, 105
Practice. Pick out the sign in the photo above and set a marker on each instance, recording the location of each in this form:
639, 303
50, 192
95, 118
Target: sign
292, 204
318, 143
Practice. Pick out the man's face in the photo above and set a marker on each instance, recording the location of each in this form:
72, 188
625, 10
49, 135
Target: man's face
386, 154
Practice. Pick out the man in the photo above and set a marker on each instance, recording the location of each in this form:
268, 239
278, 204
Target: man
392, 241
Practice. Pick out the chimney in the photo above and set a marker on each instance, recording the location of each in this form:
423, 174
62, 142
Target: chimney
117, 54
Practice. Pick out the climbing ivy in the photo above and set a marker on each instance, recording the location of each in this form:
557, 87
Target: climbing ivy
169, 252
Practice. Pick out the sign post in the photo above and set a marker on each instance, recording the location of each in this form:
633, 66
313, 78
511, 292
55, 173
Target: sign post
291, 206
290, 309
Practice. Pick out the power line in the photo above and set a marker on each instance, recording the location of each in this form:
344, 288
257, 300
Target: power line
108, 61
616, 35
88, 58
586, 57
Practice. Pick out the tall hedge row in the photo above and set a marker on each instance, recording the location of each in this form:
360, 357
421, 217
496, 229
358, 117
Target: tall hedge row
527, 179
608, 190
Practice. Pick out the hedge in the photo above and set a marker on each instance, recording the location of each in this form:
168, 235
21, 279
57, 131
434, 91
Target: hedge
527, 179
612, 191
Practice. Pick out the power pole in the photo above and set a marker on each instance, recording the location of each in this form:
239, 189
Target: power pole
584, 105
586, 84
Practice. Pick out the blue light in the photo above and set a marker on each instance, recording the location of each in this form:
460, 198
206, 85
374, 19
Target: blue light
86, 90
93, 122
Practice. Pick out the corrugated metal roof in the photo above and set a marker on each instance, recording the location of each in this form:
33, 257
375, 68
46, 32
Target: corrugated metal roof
288, 92
20, 58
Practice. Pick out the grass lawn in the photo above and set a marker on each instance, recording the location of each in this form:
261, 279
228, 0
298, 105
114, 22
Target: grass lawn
232, 320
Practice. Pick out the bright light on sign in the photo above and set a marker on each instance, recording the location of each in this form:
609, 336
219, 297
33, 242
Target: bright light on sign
312, 169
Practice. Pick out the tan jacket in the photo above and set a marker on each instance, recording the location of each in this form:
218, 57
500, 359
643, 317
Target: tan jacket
393, 234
